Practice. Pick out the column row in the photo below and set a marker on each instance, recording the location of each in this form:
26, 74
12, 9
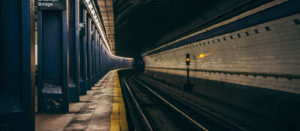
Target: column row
70, 58
69, 55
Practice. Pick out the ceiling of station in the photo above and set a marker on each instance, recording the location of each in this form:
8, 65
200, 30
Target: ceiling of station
135, 26
107, 14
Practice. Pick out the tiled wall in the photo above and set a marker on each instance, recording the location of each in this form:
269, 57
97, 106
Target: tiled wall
268, 48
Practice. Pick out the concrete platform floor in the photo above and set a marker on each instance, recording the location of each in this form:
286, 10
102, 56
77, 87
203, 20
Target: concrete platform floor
102, 109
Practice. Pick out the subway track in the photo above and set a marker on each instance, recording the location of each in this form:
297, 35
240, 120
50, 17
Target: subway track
153, 109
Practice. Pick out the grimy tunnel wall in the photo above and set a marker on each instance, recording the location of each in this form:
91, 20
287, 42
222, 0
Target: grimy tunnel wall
249, 62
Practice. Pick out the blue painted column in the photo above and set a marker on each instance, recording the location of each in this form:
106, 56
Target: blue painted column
97, 57
89, 55
53, 59
101, 59
100, 56
83, 51
17, 65
93, 54
105, 61
74, 60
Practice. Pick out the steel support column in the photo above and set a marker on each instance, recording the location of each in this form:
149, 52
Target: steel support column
101, 59
89, 54
74, 86
93, 54
83, 51
17, 65
97, 57
53, 60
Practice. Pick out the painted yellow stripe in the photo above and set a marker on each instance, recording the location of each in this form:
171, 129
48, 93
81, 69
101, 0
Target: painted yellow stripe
118, 120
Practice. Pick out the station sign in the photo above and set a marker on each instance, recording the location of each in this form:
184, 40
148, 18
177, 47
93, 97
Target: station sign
51, 4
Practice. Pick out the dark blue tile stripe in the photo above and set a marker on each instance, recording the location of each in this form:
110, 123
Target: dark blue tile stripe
270, 14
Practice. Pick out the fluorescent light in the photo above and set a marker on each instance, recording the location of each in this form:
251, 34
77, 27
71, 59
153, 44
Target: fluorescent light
90, 6
93, 12
99, 26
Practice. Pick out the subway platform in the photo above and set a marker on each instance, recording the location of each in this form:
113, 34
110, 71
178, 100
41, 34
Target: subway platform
101, 109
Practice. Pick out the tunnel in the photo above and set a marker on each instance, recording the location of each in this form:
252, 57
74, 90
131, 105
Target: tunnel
150, 65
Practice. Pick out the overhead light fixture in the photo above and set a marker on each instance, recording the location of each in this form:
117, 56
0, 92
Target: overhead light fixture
93, 12
99, 26
90, 6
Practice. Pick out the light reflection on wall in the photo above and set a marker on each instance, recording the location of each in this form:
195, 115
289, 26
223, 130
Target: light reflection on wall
203, 55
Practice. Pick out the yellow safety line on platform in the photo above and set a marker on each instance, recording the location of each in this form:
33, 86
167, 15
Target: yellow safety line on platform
118, 121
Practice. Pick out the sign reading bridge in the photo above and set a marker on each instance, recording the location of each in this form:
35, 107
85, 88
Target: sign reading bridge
51, 4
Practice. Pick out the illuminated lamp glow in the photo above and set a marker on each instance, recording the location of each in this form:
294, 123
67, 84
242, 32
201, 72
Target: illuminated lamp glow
93, 12
99, 26
204, 55
90, 6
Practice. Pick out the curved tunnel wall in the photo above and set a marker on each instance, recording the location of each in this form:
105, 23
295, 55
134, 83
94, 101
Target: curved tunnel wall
245, 71
263, 55
109, 62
